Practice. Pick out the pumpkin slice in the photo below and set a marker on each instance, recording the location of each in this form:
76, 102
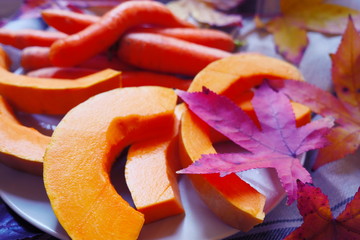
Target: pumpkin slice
230, 198
51, 96
232, 75
83, 147
301, 112
21, 147
150, 174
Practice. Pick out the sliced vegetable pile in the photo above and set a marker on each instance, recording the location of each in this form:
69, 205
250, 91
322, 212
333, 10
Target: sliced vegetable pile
114, 78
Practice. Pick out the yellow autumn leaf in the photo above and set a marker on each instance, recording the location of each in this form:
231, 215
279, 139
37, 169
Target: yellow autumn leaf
291, 40
296, 17
317, 15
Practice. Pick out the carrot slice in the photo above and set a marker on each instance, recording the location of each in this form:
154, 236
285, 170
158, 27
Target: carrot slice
82, 150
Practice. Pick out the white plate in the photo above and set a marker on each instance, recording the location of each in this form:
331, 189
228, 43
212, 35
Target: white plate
26, 195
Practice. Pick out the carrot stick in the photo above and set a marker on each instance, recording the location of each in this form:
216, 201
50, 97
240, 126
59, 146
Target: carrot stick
166, 54
72, 22
61, 73
38, 57
67, 21
29, 37
99, 36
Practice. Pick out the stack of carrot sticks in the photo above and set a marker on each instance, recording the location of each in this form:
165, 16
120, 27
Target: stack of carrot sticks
143, 39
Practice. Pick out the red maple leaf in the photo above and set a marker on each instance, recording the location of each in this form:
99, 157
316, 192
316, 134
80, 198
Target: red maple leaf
277, 145
319, 223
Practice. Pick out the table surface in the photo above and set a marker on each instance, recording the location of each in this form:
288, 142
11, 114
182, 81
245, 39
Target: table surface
283, 219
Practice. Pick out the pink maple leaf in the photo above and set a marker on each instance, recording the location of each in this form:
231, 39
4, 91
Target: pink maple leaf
277, 145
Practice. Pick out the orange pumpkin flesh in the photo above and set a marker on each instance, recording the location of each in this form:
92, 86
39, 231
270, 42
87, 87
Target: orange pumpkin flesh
301, 112
231, 199
51, 96
233, 75
82, 150
150, 174
151, 181
21, 147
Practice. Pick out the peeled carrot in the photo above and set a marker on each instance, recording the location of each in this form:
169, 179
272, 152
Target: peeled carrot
72, 22
166, 54
67, 21
207, 37
35, 57
99, 36
146, 78
62, 73
102, 61
38, 57
29, 37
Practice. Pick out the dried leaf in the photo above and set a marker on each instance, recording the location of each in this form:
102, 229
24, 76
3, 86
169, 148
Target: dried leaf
290, 40
345, 67
297, 17
203, 13
345, 137
317, 15
225, 5
319, 222
277, 145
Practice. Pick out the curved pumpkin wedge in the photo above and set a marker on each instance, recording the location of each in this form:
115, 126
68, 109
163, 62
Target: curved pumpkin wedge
230, 198
237, 73
21, 147
52, 96
83, 147
150, 174
302, 114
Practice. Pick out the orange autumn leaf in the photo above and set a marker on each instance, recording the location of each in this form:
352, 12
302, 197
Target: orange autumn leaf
344, 107
317, 15
290, 40
298, 17
345, 67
